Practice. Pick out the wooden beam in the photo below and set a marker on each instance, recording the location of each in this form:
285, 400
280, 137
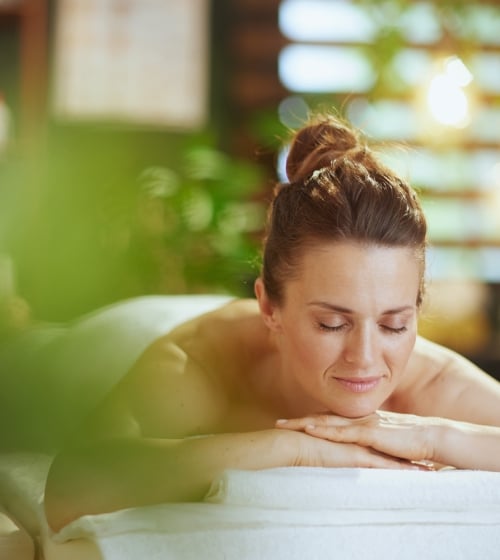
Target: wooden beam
34, 68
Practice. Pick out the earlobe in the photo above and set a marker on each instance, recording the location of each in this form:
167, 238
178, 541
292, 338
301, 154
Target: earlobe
268, 310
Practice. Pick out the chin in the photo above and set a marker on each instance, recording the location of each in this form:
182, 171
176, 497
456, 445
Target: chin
355, 410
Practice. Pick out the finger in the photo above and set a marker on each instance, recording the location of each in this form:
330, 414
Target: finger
370, 458
314, 420
394, 444
361, 435
427, 465
294, 423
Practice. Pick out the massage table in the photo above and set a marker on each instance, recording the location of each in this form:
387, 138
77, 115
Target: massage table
283, 513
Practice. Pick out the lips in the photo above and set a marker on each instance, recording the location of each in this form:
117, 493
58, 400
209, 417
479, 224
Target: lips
358, 385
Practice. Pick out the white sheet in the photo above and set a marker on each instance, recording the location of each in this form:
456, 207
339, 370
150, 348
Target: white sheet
22, 483
320, 542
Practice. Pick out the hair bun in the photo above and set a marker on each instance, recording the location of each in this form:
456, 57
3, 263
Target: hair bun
316, 145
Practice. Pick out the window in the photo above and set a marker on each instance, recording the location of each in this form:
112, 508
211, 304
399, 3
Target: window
422, 74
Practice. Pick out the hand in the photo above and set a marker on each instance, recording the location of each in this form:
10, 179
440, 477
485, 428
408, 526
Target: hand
402, 436
311, 450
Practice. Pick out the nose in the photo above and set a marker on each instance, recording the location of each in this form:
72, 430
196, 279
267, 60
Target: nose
361, 347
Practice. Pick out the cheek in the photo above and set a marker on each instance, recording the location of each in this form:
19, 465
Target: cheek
313, 350
401, 350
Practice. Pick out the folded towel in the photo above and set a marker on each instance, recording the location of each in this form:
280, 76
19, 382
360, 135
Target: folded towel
350, 488
297, 513
349, 542
296, 496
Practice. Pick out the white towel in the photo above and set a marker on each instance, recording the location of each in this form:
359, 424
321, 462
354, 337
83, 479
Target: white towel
299, 513
320, 542
295, 496
290, 513
358, 489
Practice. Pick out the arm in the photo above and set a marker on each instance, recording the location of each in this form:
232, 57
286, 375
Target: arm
118, 473
414, 438
139, 446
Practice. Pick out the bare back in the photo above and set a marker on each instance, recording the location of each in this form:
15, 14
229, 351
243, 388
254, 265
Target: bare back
199, 378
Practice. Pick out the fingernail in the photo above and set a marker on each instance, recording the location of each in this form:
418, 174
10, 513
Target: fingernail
310, 427
281, 421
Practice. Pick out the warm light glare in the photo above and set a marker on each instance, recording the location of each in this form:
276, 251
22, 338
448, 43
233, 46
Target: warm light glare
447, 101
457, 72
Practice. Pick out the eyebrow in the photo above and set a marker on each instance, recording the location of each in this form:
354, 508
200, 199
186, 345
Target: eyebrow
346, 310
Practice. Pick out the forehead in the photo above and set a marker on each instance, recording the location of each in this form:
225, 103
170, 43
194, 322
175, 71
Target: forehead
353, 272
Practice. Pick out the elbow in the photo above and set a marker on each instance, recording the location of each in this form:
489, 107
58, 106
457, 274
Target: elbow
58, 513
59, 501
66, 497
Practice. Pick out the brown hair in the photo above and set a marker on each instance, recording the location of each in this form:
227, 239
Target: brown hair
337, 191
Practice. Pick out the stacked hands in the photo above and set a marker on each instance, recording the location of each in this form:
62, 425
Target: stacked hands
382, 439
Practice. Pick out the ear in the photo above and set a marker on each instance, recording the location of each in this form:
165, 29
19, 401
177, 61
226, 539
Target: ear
268, 310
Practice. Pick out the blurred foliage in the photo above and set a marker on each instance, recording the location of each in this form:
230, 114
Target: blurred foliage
453, 18
111, 214
199, 224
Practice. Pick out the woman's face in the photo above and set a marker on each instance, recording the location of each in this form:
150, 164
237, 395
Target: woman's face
347, 327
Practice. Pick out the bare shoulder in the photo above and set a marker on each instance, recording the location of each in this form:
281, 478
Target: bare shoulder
178, 387
430, 361
440, 382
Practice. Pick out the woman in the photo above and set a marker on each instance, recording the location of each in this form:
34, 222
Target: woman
325, 368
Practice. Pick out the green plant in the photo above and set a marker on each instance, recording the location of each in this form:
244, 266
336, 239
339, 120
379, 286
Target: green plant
197, 227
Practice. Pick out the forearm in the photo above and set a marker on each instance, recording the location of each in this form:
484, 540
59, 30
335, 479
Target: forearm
115, 474
409, 437
468, 446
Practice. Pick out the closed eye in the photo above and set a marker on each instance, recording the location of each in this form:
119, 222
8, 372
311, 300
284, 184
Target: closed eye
332, 328
393, 330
